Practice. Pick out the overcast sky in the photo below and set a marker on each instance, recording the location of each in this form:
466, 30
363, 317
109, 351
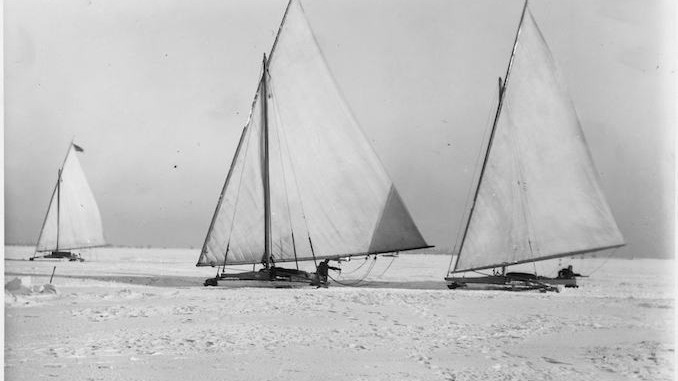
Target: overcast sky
157, 92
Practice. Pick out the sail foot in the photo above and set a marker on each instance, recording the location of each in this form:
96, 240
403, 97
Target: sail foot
510, 282
530, 260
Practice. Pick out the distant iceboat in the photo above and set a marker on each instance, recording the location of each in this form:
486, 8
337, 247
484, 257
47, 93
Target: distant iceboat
304, 184
72, 220
537, 195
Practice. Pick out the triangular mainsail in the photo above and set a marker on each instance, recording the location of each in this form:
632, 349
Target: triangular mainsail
330, 196
539, 196
73, 220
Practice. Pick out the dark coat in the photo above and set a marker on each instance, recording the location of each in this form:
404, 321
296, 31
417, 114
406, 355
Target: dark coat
324, 267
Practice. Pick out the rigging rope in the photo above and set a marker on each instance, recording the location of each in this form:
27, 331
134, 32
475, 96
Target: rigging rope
231, 269
310, 243
237, 195
357, 268
560, 264
294, 175
247, 147
357, 282
387, 267
485, 274
282, 166
604, 262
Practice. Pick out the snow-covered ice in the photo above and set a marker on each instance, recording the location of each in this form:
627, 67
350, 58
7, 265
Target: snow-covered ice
143, 314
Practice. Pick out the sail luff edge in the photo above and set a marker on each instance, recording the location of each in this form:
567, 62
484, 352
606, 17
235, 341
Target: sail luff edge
63, 162
44, 221
223, 190
492, 133
249, 118
277, 35
58, 190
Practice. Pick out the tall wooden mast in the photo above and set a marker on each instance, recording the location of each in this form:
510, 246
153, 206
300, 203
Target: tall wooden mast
502, 90
58, 208
266, 174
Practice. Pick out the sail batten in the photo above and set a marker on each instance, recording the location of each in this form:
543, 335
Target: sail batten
326, 184
538, 196
73, 220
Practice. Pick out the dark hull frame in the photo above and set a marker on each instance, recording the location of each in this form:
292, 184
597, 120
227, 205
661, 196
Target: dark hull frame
512, 282
72, 257
276, 277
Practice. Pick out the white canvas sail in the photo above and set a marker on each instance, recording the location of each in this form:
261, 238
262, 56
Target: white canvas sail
73, 216
238, 223
539, 196
326, 182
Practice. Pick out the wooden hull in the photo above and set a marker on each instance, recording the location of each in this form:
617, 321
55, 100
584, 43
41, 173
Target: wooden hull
72, 257
275, 277
511, 282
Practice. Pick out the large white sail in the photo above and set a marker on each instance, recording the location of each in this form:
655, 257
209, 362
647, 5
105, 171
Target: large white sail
326, 181
238, 223
73, 216
539, 196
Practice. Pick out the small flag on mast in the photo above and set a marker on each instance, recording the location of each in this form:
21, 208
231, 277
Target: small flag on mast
78, 148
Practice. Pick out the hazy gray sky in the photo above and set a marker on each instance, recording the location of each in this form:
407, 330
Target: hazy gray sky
145, 86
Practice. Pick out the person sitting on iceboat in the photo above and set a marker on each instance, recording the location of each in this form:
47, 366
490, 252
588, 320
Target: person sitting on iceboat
567, 273
322, 272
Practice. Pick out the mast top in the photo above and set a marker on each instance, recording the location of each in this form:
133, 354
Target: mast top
282, 22
513, 50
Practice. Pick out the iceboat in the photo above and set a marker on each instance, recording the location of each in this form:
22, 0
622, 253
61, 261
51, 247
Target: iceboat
537, 196
304, 183
72, 220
